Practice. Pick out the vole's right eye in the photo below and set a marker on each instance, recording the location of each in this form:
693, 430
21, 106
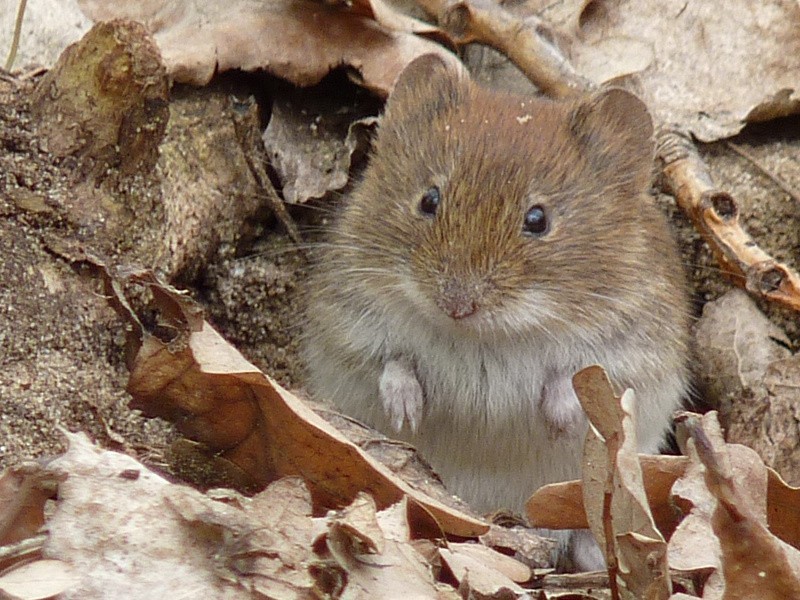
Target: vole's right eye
429, 203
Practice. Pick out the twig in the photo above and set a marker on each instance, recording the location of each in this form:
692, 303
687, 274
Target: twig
526, 42
777, 180
715, 214
12, 53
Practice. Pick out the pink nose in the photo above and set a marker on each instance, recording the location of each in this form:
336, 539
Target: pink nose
457, 301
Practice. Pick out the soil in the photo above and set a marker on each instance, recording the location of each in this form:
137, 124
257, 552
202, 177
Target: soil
62, 348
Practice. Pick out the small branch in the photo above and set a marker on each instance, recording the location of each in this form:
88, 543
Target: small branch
525, 41
715, 214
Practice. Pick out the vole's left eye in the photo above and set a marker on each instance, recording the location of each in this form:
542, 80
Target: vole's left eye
535, 223
429, 203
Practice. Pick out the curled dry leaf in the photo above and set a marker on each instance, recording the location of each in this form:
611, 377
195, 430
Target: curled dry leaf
298, 40
613, 491
247, 420
312, 140
560, 505
755, 380
23, 492
755, 563
397, 570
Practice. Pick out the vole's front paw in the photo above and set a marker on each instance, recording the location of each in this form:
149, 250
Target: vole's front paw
401, 394
561, 408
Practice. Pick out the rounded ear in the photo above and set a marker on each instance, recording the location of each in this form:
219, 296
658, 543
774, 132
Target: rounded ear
616, 130
428, 86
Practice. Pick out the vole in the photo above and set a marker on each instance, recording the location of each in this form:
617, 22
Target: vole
496, 245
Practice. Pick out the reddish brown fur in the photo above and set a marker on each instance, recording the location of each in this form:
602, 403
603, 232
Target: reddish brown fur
458, 332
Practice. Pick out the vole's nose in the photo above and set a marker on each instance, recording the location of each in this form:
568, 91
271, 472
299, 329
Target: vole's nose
458, 299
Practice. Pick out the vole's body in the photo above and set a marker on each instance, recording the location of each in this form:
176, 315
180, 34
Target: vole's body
464, 329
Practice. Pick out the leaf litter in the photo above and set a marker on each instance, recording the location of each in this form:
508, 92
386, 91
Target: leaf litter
214, 433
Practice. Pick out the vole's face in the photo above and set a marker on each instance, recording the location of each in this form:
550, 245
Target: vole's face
491, 212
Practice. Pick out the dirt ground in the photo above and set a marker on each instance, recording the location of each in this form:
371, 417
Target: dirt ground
62, 348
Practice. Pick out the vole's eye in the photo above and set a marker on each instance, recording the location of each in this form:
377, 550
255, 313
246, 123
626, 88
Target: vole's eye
535, 222
429, 203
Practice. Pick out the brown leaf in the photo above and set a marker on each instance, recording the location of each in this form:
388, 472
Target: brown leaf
613, 490
755, 564
24, 489
312, 138
398, 570
505, 565
684, 40
242, 416
476, 570
298, 40
782, 509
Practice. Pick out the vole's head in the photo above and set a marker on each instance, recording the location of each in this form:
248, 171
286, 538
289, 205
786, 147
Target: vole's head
492, 212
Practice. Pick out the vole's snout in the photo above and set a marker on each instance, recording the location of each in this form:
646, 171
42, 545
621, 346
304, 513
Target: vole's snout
459, 299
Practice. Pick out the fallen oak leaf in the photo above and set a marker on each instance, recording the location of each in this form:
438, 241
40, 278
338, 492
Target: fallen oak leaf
198, 380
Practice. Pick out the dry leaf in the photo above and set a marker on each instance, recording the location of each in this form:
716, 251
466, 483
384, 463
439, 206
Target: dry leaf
244, 418
736, 343
613, 490
755, 564
112, 524
476, 570
523, 543
38, 580
311, 140
505, 565
755, 380
264, 543
398, 571
560, 505
298, 40
699, 53
23, 492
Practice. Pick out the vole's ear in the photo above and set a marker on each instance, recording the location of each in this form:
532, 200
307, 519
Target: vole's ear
427, 87
616, 131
